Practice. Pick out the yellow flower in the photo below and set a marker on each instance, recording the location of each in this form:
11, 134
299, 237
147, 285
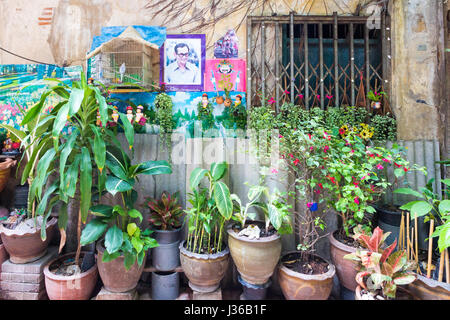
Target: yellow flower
365, 134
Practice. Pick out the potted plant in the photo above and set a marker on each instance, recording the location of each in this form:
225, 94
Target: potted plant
303, 274
204, 256
122, 251
351, 181
166, 218
255, 246
164, 118
381, 271
431, 206
375, 98
74, 152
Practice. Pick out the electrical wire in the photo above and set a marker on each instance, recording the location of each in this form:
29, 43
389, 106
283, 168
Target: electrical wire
14, 54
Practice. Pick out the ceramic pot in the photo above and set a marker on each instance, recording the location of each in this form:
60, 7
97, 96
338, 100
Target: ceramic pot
5, 171
204, 271
165, 285
27, 247
255, 259
429, 289
114, 276
345, 269
299, 286
77, 287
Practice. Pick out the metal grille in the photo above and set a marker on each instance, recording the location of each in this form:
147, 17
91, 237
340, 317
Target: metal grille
316, 60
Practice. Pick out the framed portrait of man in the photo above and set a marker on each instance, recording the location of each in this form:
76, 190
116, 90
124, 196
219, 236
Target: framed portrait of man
183, 62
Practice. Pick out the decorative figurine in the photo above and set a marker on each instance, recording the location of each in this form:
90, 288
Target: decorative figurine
130, 114
90, 81
115, 114
205, 100
238, 100
219, 99
139, 113
99, 122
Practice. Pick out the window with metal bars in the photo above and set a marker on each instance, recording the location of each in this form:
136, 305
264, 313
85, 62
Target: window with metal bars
335, 62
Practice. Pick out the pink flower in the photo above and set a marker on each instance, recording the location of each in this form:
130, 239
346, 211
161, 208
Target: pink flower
300, 96
309, 204
380, 167
271, 101
309, 135
274, 170
280, 136
286, 92
317, 191
329, 97
387, 160
352, 151
318, 96
356, 200
142, 121
326, 148
290, 155
296, 161
311, 148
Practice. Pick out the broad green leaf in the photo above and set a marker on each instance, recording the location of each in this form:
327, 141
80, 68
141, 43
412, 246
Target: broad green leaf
85, 183
135, 214
274, 216
75, 99
154, 168
110, 257
444, 207
379, 278
71, 178
129, 260
446, 182
35, 110
131, 229
93, 231
113, 239
137, 244
63, 216
218, 170
42, 170
196, 176
128, 129
114, 185
117, 164
409, 205
60, 121
99, 148
66, 151
140, 257
444, 237
43, 203
51, 204
121, 211
254, 192
420, 209
409, 191
102, 106
101, 210
223, 199
17, 133
404, 279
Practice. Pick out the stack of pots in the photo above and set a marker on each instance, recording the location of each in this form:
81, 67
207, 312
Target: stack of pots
165, 259
255, 260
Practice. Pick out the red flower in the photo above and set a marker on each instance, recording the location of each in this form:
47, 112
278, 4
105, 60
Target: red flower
271, 101
296, 161
15, 145
356, 200
341, 131
320, 185
290, 155
326, 148
332, 179
405, 169
309, 135
397, 165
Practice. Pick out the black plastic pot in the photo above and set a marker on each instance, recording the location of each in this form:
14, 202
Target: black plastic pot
166, 256
253, 291
165, 285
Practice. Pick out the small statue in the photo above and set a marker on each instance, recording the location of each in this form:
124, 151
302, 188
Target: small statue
130, 114
90, 81
252, 232
238, 100
139, 113
205, 100
115, 114
8, 142
99, 122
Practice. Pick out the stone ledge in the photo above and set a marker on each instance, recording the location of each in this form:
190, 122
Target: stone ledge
108, 295
216, 295
35, 267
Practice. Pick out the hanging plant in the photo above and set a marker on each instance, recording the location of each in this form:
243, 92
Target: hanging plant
164, 117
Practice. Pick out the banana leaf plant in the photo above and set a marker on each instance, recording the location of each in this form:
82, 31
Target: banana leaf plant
211, 208
77, 160
118, 224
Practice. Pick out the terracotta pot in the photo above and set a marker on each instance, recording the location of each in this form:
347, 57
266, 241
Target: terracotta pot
255, 260
5, 171
76, 287
345, 269
27, 247
299, 286
429, 289
114, 276
204, 271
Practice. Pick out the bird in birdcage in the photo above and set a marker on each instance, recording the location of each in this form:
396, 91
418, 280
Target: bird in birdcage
122, 71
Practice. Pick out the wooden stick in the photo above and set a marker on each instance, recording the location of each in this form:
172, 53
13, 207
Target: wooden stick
430, 249
441, 266
400, 234
417, 239
407, 234
411, 246
447, 267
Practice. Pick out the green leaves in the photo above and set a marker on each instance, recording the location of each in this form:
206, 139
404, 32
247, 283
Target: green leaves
102, 210
75, 99
223, 200
99, 148
196, 176
420, 208
114, 185
128, 130
93, 231
113, 239
218, 170
444, 207
154, 168
409, 191
85, 183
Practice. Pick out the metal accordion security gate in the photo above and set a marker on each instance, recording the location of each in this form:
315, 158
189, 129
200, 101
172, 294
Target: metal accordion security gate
323, 61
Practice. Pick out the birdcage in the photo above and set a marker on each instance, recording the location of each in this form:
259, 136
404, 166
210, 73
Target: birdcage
127, 61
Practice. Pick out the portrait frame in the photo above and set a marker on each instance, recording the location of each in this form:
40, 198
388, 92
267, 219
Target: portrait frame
197, 56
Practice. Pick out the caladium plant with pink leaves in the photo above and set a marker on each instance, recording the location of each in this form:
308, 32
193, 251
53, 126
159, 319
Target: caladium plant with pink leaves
380, 268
